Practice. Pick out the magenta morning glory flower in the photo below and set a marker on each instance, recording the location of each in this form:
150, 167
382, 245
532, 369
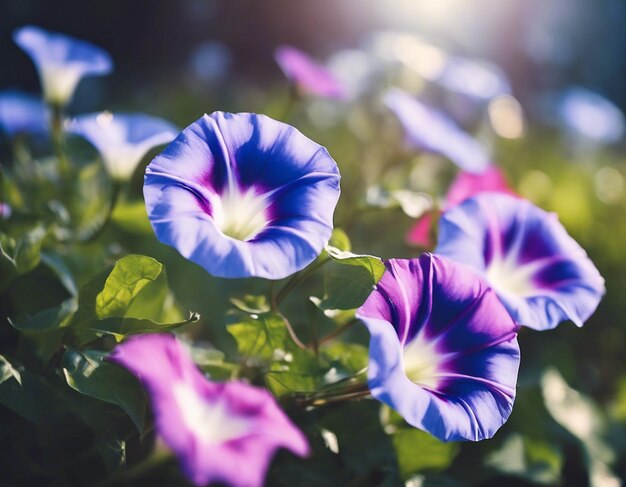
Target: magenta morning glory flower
61, 61
221, 432
243, 195
464, 186
123, 138
430, 130
307, 75
22, 113
541, 274
443, 349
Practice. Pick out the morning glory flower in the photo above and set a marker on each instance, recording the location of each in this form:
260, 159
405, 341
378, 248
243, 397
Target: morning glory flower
541, 274
61, 61
5, 211
467, 184
588, 114
243, 195
122, 139
22, 113
220, 432
430, 130
443, 350
307, 75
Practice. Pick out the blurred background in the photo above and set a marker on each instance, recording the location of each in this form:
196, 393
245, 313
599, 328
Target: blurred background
541, 82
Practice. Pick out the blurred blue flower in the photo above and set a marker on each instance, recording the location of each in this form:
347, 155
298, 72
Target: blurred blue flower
307, 75
122, 138
430, 130
5, 211
22, 113
590, 115
474, 78
243, 195
210, 60
61, 61
541, 274
443, 349
224, 433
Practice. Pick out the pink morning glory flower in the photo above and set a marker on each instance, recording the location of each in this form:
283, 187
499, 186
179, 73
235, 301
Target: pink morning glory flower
220, 432
430, 130
307, 75
443, 349
243, 195
467, 184
541, 274
61, 61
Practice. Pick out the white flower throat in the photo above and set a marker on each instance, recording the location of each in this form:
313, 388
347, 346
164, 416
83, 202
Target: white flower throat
240, 215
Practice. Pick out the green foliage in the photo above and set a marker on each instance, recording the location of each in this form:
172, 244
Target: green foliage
349, 279
418, 451
7, 371
88, 373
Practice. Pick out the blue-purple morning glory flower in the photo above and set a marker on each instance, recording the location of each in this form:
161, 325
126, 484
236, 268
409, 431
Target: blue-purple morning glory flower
22, 113
443, 349
243, 195
477, 79
541, 274
220, 432
307, 75
122, 139
61, 61
430, 130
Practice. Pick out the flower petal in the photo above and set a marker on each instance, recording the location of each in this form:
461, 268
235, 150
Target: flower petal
541, 274
220, 432
123, 138
430, 130
243, 195
466, 185
22, 113
61, 60
307, 74
443, 349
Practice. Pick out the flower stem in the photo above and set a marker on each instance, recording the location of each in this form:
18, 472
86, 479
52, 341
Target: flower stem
291, 105
292, 332
338, 331
58, 138
347, 393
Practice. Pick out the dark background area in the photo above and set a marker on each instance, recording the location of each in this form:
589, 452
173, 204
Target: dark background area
541, 44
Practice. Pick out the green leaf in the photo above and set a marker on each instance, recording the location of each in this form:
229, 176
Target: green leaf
54, 262
351, 357
7, 371
417, 451
251, 304
349, 279
129, 276
132, 217
28, 250
261, 336
88, 373
340, 240
47, 319
122, 327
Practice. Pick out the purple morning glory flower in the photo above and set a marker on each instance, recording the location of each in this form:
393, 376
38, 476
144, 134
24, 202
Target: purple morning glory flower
307, 75
61, 61
541, 274
430, 130
123, 138
477, 79
22, 113
243, 195
443, 349
221, 432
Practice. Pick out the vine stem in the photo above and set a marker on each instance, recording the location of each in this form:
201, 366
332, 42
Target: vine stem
338, 331
58, 138
291, 331
297, 279
348, 393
